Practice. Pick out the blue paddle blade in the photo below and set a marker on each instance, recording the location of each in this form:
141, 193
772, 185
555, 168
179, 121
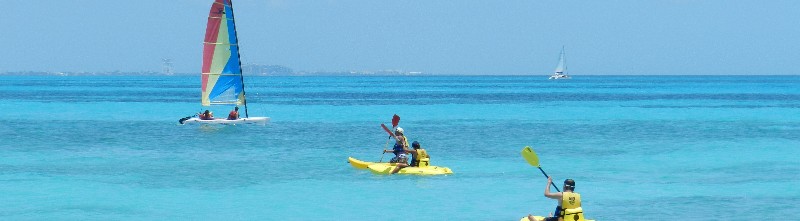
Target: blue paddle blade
530, 156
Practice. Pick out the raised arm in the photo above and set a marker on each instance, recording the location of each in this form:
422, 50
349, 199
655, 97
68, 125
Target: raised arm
393, 136
547, 193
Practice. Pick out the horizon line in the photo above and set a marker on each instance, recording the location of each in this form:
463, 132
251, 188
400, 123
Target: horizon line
340, 74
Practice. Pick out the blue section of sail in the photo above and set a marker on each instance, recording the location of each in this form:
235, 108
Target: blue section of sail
231, 27
224, 84
230, 78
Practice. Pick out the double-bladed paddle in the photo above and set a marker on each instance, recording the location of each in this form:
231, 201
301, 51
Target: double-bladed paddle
533, 160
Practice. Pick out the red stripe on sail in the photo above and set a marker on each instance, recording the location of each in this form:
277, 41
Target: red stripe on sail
215, 16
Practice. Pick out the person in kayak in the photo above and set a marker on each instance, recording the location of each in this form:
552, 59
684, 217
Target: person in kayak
207, 115
569, 202
400, 149
419, 157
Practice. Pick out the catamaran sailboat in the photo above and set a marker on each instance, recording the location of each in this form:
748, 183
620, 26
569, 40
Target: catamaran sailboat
561, 69
221, 81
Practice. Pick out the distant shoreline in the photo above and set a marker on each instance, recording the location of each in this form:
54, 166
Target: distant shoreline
337, 74
153, 73
66, 74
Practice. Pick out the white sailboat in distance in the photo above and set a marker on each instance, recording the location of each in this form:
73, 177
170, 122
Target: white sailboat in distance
561, 69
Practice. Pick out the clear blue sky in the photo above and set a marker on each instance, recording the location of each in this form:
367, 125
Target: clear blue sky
433, 36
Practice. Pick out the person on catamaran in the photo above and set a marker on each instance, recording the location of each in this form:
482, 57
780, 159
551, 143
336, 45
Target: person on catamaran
569, 203
419, 157
234, 114
400, 150
207, 115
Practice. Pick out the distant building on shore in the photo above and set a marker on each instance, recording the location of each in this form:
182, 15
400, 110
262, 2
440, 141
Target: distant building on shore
167, 67
266, 70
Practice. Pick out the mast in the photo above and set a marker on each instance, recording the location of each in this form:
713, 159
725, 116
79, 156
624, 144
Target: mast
241, 76
563, 59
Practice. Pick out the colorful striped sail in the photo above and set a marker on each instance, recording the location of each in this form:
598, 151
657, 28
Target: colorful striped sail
221, 77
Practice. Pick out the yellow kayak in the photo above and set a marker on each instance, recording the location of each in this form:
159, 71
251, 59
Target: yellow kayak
428, 170
525, 218
364, 164
386, 168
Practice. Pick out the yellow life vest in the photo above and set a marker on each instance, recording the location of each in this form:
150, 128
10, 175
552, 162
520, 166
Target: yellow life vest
423, 158
422, 153
405, 142
571, 207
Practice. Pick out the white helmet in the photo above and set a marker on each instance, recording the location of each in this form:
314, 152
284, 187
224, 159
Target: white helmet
398, 129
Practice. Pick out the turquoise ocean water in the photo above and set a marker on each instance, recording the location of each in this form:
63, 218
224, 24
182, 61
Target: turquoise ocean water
639, 148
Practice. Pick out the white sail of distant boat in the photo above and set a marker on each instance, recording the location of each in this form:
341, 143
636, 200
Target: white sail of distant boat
561, 69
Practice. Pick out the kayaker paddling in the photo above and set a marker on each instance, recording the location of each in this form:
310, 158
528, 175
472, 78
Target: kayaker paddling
569, 203
400, 150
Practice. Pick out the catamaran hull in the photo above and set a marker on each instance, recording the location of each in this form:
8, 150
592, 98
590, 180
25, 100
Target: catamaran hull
556, 77
251, 120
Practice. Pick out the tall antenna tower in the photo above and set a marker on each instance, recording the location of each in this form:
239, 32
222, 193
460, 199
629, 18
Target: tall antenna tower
167, 66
